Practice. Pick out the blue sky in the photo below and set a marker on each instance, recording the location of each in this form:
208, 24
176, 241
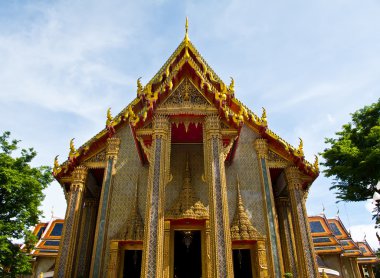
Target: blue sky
309, 63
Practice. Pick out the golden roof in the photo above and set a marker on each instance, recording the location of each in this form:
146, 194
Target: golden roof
231, 110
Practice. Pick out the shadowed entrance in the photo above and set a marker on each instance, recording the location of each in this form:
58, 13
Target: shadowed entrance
132, 264
242, 263
187, 254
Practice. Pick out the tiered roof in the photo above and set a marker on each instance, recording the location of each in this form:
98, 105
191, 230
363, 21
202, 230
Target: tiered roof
330, 236
49, 235
186, 61
368, 256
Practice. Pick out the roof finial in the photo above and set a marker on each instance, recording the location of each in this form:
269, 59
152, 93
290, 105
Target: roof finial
187, 28
52, 212
316, 163
323, 208
72, 148
109, 117
300, 148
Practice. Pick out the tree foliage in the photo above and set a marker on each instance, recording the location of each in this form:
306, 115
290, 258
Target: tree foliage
354, 156
21, 194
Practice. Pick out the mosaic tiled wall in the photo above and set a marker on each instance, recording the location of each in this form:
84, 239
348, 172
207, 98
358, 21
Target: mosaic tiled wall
177, 168
128, 168
245, 165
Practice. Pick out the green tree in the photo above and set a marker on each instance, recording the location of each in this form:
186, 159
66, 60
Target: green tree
21, 194
353, 158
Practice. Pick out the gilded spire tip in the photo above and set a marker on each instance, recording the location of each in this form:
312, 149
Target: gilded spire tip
187, 29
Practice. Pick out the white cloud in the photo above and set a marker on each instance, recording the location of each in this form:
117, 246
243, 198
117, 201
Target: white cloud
330, 118
61, 61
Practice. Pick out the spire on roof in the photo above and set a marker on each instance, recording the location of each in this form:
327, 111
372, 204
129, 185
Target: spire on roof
186, 29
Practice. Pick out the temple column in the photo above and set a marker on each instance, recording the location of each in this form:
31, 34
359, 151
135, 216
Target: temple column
88, 224
104, 203
286, 235
159, 160
355, 267
167, 249
273, 241
113, 260
307, 266
262, 269
70, 234
221, 255
370, 271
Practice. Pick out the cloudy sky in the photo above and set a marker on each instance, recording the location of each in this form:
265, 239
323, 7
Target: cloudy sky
309, 63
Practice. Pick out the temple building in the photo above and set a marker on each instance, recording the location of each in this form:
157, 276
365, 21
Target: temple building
337, 254
186, 181
44, 253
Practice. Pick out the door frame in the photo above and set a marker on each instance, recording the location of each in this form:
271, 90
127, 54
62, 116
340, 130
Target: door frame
186, 225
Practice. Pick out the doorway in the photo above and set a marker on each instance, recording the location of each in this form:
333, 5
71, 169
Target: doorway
187, 254
132, 263
242, 263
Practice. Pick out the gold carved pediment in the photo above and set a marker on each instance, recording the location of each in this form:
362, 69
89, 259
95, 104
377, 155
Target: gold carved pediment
98, 160
276, 161
185, 95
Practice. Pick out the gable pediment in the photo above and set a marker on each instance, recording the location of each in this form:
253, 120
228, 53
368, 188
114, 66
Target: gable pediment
185, 95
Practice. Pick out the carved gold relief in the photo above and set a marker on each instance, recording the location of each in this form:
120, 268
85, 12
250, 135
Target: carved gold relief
134, 227
187, 204
241, 227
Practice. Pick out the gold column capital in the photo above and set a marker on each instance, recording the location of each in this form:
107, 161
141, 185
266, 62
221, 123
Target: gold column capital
161, 125
91, 202
114, 245
212, 126
294, 178
79, 176
113, 145
283, 202
261, 146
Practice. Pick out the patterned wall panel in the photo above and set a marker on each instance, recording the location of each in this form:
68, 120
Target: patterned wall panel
177, 168
128, 167
245, 165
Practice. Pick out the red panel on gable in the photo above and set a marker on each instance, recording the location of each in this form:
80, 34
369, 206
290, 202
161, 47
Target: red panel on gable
193, 134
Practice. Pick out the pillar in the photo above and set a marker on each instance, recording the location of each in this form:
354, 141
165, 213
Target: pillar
114, 260
307, 265
159, 167
221, 254
355, 267
104, 203
273, 241
370, 271
87, 230
262, 259
70, 234
167, 249
286, 235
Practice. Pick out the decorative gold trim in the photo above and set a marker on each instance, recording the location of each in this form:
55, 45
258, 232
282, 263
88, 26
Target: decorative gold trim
187, 206
241, 227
